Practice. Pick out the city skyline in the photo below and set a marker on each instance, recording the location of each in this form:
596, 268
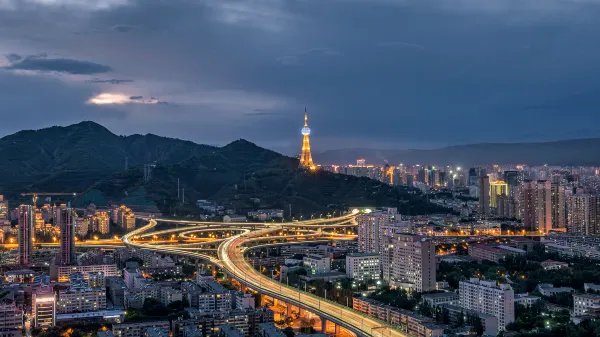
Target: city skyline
228, 69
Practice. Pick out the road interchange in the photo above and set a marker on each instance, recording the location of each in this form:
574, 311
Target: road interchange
230, 258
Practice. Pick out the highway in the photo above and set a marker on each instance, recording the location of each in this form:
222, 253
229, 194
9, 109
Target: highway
231, 258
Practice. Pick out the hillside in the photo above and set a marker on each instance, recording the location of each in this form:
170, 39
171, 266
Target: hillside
72, 158
88, 158
566, 152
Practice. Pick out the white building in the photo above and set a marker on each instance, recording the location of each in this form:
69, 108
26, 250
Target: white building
362, 266
586, 304
316, 264
408, 261
61, 273
489, 298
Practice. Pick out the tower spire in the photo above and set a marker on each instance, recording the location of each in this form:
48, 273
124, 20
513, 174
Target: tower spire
306, 157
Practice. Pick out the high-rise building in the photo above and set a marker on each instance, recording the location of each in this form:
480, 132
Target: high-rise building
535, 205
82, 226
66, 222
306, 157
361, 162
583, 211
408, 261
484, 196
4, 213
26, 219
497, 188
489, 298
371, 229
506, 207
559, 207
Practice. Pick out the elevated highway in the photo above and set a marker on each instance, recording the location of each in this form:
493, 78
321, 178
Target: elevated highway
230, 257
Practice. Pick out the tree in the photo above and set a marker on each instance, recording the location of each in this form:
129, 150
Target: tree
289, 332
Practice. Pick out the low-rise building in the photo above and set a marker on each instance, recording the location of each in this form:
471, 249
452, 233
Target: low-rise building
549, 290
228, 330
169, 295
489, 322
441, 298
494, 253
156, 331
81, 300
554, 265
62, 273
269, 330
586, 305
526, 299
137, 329
316, 264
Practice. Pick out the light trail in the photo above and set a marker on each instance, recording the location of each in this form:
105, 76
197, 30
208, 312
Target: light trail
231, 258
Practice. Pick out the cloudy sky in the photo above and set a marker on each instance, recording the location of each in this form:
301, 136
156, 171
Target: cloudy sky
372, 73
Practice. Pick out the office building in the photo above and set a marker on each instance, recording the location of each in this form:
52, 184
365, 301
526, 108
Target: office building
484, 196
26, 234
497, 188
66, 222
535, 205
437, 299
489, 298
43, 309
362, 266
408, 261
558, 204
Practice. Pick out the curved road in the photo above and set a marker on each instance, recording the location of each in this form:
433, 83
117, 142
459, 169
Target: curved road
231, 259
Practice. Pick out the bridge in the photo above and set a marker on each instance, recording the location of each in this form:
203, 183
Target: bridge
230, 257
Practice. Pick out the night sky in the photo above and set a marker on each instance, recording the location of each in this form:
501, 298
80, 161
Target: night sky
372, 73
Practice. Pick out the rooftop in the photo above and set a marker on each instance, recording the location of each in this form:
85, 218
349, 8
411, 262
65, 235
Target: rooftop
441, 295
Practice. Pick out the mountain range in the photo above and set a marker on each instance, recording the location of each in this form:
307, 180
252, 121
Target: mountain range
104, 168
565, 152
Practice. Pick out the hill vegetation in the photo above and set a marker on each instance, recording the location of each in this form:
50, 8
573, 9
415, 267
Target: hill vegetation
88, 158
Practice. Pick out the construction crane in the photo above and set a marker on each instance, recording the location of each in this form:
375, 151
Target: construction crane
34, 195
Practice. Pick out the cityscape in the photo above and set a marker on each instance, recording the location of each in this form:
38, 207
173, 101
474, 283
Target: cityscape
514, 253
279, 168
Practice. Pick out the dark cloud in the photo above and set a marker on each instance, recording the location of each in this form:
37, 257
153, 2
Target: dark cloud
136, 97
123, 28
383, 73
13, 58
67, 66
110, 81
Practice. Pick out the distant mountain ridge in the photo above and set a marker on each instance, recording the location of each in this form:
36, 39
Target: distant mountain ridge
88, 158
577, 152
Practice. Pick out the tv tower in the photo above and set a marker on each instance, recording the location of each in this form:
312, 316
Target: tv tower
306, 158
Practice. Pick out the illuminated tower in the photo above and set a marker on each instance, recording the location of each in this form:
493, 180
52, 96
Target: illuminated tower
306, 158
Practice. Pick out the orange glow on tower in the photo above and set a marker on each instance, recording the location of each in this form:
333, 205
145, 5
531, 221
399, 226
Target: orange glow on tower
306, 157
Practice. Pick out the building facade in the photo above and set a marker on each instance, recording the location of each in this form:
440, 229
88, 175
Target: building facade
489, 298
